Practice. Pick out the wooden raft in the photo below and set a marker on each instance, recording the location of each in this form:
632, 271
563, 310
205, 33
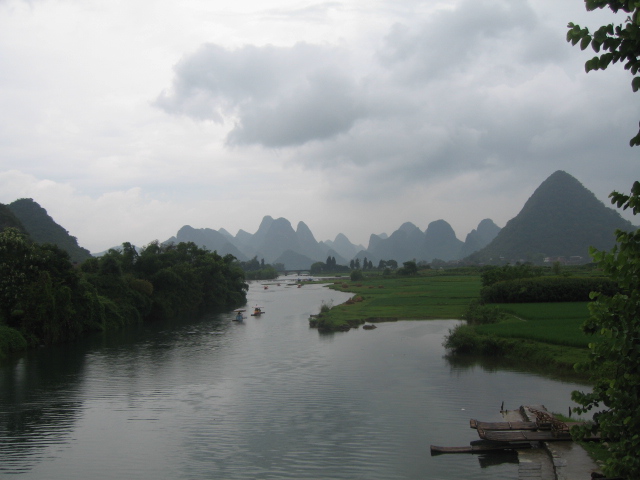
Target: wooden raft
479, 446
538, 426
503, 425
523, 435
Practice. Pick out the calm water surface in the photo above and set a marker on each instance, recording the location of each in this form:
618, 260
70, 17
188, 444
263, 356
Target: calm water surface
269, 398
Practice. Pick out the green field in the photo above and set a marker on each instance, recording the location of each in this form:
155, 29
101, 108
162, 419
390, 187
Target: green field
554, 323
421, 298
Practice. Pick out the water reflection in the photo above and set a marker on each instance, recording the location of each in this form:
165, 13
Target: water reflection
497, 458
468, 363
38, 405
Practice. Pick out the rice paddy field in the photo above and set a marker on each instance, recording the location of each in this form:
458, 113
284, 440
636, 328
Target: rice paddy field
554, 323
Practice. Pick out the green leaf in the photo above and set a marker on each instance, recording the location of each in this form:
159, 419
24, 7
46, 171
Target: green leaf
635, 84
584, 43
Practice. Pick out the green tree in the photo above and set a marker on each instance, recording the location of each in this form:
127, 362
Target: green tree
41, 295
356, 275
317, 267
409, 268
615, 359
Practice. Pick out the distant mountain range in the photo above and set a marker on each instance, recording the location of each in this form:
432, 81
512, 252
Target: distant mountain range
561, 219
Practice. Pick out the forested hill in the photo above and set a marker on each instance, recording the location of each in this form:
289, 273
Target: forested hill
561, 218
41, 228
9, 220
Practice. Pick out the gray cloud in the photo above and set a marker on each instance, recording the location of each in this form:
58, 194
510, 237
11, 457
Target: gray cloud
280, 96
455, 40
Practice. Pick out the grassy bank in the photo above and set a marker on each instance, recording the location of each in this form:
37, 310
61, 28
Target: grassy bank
544, 336
423, 297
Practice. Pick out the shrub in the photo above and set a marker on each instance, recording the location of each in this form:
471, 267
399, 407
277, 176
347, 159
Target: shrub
546, 289
479, 314
491, 275
356, 275
461, 339
493, 346
10, 341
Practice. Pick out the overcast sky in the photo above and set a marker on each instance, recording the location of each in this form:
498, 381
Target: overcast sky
127, 119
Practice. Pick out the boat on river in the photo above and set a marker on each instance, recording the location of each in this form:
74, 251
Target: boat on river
257, 311
239, 315
524, 427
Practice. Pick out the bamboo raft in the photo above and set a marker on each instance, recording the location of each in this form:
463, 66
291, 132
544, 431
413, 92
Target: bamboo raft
479, 446
503, 425
523, 435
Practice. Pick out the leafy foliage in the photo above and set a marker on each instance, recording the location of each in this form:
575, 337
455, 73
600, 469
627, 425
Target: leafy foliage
330, 266
479, 314
356, 275
408, 268
616, 358
41, 295
616, 318
491, 275
45, 300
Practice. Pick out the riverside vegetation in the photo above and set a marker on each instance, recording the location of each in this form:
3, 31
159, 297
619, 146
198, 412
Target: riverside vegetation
45, 299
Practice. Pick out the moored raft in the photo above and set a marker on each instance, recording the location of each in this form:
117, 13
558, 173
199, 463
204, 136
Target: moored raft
480, 446
504, 425
523, 435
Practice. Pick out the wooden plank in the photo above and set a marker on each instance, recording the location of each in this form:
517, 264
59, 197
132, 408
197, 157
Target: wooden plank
503, 425
479, 448
522, 436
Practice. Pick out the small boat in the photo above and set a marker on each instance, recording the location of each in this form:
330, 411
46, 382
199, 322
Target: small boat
257, 311
239, 315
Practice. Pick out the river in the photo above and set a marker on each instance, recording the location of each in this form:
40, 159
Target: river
268, 398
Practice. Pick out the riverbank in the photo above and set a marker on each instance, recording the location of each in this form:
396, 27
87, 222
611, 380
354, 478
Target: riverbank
378, 299
445, 295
